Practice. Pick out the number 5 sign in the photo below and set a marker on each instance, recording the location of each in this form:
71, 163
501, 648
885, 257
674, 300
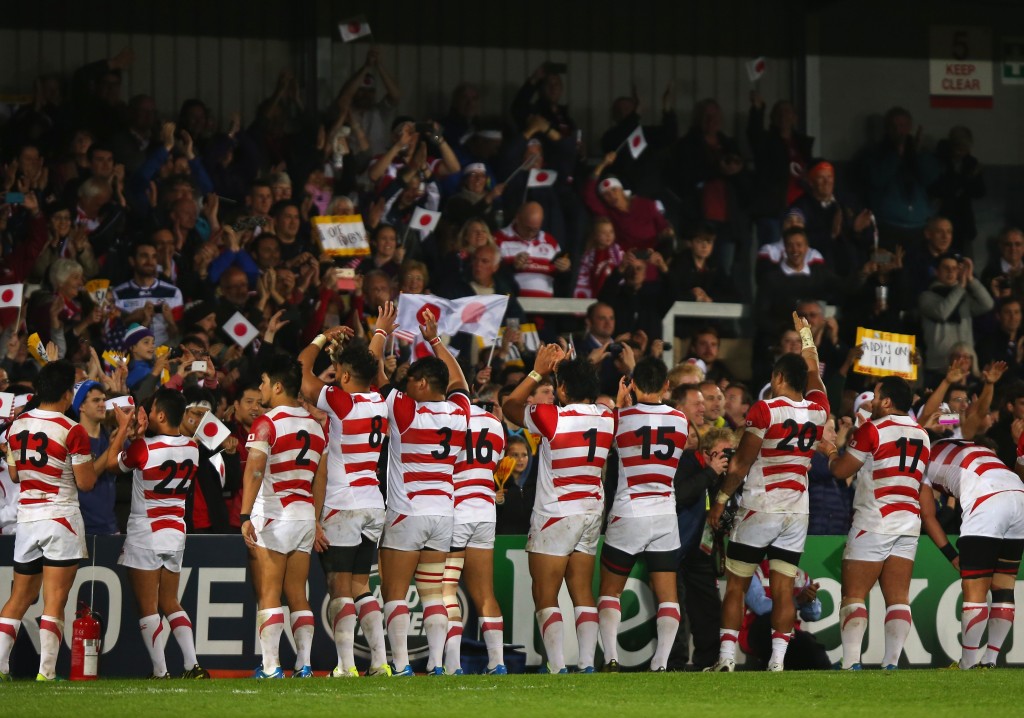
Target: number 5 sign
960, 67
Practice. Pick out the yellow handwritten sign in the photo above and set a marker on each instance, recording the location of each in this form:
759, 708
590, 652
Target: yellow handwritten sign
886, 354
343, 235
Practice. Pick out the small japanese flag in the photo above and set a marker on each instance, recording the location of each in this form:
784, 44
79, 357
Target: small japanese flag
6, 405
10, 295
353, 30
217, 462
211, 432
637, 141
126, 402
241, 330
22, 400
541, 178
424, 221
756, 68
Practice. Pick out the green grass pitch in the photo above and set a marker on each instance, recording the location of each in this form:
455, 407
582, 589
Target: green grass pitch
873, 693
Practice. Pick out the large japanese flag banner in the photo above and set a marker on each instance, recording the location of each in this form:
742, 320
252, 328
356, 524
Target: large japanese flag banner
411, 311
480, 315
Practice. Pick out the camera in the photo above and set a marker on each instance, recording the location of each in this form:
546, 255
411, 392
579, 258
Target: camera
426, 128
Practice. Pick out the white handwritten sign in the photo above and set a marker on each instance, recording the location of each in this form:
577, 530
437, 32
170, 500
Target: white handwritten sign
343, 235
886, 354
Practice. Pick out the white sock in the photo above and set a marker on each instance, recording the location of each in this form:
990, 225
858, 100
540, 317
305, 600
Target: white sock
780, 642
587, 624
853, 622
396, 617
302, 632
550, 622
668, 624
342, 613
181, 628
270, 622
897, 628
973, 619
371, 620
727, 640
609, 615
51, 632
152, 627
9, 628
1000, 621
453, 647
435, 625
493, 630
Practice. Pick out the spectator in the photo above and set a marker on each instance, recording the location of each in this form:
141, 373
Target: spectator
513, 509
132, 144
539, 98
460, 123
387, 255
1005, 343
413, 278
695, 274
833, 229
600, 258
532, 253
639, 225
714, 406
360, 94
148, 300
144, 367
641, 173
89, 405
922, 260
689, 400
737, 402
1004, 275
948, 308
474, 200
960, 183
1008, 429
640, 303
704, 345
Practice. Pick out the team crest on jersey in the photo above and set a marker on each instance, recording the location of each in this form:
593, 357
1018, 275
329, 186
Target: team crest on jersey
251, 437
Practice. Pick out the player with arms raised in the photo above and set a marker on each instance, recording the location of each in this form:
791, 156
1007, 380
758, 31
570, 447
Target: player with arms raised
650, 437
164, 464
888, 454
427, 425
350, 509
566, 521
278, 517
774, 456
49, 456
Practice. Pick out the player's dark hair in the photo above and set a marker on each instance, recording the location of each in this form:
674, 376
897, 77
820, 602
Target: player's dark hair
579, 379
54, 381
433, 370
196, 394
896, 390
650, 375
286, 370
361, 362
171, 403
793, 369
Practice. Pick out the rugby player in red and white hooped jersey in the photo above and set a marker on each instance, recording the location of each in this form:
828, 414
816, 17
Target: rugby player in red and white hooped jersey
278, 515
350, 510
888, 454
566, 521
427, 425
991, 539
773, 458
650, 437
49, 455
164, 464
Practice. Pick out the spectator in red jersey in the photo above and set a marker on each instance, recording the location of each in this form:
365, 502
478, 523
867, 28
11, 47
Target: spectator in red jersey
638, 222
534, 255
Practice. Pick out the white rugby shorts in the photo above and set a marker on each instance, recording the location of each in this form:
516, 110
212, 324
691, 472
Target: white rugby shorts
563, 535
148, 559
477, 534
347, 527
284, 535
635, 534
60, 539
863, 545
787, 532
1000, 515
417, 533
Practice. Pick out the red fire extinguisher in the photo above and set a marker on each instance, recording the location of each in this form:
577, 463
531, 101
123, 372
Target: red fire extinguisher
86, 643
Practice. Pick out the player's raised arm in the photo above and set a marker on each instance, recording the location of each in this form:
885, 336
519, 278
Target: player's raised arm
311, 384
387, 318
456, 379
739, 465
548, 358
109, 457
809, 353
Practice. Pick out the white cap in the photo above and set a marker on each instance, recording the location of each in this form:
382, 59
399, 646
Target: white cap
488, 134
475, 167
862, 407
608, 184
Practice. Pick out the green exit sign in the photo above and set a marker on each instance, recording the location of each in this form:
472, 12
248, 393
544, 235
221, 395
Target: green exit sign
1013, 61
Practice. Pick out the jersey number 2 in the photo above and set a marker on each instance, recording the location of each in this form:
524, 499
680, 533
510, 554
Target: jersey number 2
804, 436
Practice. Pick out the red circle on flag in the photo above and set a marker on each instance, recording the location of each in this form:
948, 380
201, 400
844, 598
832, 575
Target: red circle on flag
425, 220
432, 308
131, 401
240, 330
542, 176
7, 296
1, 401
210, 430
636, 141
472, 313
354, 27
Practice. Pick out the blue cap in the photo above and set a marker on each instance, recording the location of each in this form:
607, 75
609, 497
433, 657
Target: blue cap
82, 389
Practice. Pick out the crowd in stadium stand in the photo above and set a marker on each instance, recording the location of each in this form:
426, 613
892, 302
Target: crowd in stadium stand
194, 219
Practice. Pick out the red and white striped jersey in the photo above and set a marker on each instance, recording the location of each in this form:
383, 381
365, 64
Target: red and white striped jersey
164, 468
777, 480
537, 278
894, 451
46, 445
294, 442
969, 472
474, 469
358, 425
650, 439
425, 441
574, 446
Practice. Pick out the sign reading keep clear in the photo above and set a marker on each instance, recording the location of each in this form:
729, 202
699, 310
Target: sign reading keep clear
343, 235
886, 354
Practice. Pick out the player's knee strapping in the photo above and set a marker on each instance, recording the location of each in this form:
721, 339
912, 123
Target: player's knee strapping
450, 587
742, 569
784, 567
429, 580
